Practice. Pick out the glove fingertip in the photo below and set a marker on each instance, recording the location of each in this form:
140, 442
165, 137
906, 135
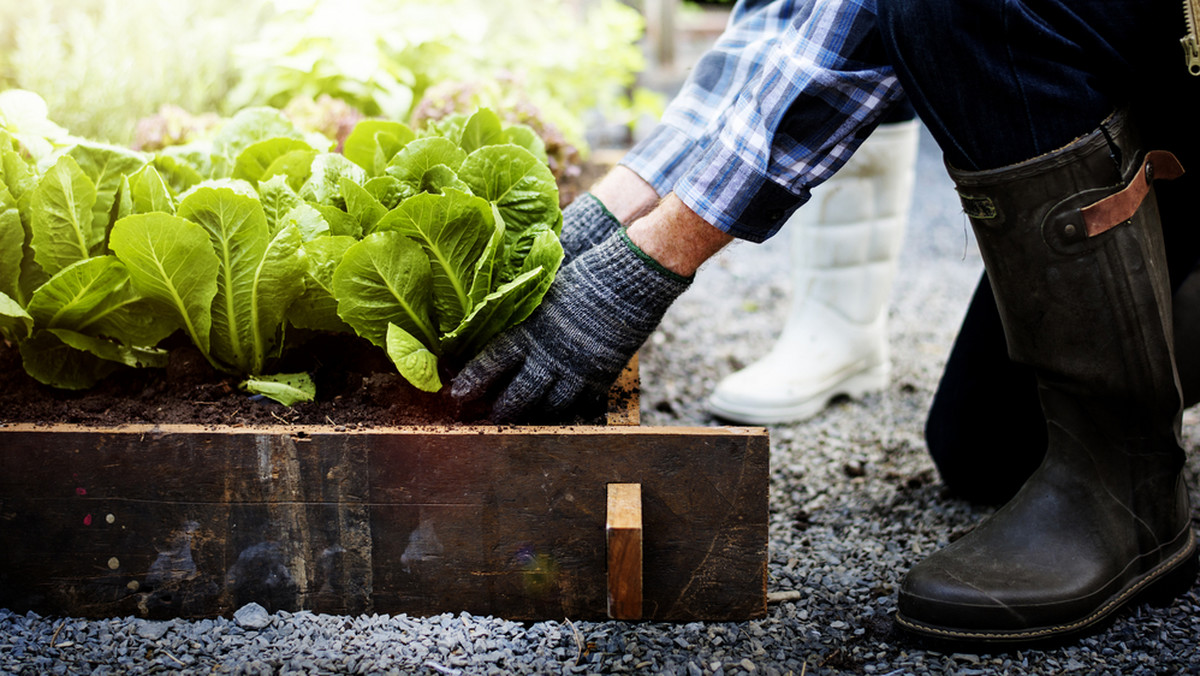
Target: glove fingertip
485, 370
464, 388
473, 382
522, 397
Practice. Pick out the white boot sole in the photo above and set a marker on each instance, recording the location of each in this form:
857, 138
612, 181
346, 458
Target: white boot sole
765, 413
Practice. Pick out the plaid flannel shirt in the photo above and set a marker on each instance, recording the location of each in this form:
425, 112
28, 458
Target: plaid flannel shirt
780, 102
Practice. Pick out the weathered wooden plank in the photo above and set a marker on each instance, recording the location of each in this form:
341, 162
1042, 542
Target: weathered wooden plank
623, 536
190, 521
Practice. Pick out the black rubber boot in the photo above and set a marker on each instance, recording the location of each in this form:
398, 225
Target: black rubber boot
1084, 299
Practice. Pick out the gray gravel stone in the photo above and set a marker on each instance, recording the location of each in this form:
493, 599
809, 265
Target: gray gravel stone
252, 616
152, 630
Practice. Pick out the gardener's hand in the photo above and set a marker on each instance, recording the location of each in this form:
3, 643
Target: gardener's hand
599, 311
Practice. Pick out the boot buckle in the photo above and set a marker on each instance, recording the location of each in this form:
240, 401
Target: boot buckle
1119, 207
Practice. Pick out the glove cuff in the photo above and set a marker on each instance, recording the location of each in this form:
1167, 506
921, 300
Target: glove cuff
653, 264
586, 223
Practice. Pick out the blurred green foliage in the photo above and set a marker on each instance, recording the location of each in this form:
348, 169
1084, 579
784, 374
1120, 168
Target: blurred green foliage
381, 56
103, 64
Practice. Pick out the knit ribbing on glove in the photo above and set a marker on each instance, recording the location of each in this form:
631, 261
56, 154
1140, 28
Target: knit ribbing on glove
598, 312
586, 223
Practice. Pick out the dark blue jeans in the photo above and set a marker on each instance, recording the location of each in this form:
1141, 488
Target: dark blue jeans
1001, 81
998, 82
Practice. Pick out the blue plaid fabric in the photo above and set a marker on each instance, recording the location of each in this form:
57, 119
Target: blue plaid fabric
780, 102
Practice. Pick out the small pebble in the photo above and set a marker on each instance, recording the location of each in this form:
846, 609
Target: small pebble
152, 630
252, 616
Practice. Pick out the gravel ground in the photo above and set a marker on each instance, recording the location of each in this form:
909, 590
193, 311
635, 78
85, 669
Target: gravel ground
854, 503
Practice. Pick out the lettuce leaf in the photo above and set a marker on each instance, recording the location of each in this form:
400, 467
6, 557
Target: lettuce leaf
63, 230
96, 297
106, 166
385, 279
325, 179
310, 223
372, 144
413, 360
254, 162
285, 388
128, 355
419, 157
521, 186
149, 192
453, 229
277, 198
258, 276
361, 204
171, 262
316, 306
250, 126
15, 322
12, 246
484, 128
53, 362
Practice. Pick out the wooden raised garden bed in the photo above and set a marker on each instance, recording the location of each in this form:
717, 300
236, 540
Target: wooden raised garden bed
196, 520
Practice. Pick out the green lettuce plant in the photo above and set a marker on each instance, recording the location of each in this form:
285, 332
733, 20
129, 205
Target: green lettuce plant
446, 238
70, 306
424, 243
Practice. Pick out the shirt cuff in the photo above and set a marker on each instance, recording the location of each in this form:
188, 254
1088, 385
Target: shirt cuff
736, 198
662, 157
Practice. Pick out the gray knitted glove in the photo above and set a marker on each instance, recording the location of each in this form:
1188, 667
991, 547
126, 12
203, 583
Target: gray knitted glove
586, 223
598, 312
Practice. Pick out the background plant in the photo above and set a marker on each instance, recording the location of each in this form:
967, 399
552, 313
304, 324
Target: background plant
381, 56
102, 64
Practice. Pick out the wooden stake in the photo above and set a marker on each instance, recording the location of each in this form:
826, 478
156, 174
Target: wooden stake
623, 532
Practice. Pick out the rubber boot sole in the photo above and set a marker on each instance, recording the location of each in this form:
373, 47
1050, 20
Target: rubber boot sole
1159, 588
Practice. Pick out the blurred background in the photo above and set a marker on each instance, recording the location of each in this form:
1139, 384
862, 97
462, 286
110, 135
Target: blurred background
585, 74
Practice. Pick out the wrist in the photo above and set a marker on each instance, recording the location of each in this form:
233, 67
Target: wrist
676, 238
625, 194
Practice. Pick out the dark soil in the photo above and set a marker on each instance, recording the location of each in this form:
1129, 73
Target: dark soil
357, 387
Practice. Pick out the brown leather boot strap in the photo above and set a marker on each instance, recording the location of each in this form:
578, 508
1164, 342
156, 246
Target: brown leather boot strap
1120, 207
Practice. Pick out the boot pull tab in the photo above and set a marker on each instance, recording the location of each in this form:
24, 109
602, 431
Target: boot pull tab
1120, 207
1114, 150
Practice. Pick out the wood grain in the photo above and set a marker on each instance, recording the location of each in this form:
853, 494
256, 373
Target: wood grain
623, 536
190, 521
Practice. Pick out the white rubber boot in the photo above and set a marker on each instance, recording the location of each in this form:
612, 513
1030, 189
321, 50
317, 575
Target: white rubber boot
845, 242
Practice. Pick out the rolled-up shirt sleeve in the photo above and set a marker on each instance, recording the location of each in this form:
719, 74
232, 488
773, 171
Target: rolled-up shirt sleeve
692, 121
822, 88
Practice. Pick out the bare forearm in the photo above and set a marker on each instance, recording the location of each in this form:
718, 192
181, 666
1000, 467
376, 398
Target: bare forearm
676, 237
